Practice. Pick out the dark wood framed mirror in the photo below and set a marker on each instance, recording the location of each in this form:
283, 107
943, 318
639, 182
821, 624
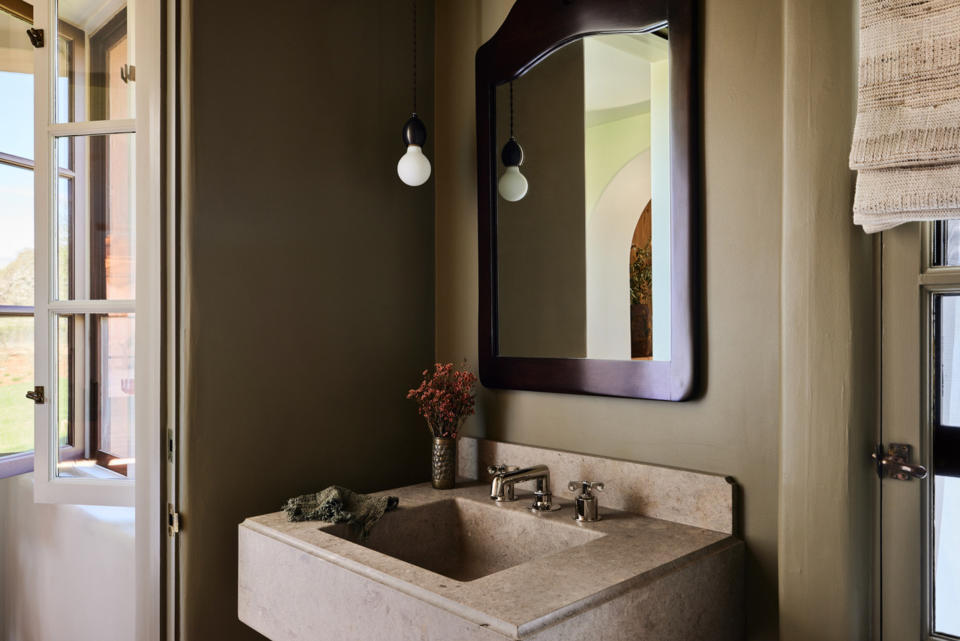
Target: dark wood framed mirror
587, 195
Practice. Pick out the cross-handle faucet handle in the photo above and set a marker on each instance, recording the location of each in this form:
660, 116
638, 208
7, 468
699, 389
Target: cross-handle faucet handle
586, 508
585, 486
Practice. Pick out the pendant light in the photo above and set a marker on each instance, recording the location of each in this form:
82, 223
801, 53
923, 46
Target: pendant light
414, 167
512, 185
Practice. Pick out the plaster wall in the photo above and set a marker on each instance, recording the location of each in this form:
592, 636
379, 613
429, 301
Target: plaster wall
609, 237
787, 384
66, 571
363, 256
608, 147
829, 354
733, 427
541, 238
311, 273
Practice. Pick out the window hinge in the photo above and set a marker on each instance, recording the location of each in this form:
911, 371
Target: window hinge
36, 37
37, 395
173, 521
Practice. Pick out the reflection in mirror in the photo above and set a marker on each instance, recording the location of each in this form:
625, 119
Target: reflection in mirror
583, 259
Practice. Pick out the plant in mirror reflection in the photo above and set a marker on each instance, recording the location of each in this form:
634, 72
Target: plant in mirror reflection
445, 398
641, 275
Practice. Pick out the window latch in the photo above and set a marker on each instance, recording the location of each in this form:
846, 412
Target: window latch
36, 37
893, 462
173, 521
37, 395
128, 73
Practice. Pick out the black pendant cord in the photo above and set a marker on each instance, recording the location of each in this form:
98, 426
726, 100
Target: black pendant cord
512, 154
414, 132
414, 3
514, 116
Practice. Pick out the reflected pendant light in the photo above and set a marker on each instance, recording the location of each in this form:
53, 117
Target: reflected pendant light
414, 167
512, 185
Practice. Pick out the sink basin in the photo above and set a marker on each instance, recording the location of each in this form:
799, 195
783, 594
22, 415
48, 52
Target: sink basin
466, 540
454, 565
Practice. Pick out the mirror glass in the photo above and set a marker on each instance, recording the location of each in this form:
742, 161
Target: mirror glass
583, 257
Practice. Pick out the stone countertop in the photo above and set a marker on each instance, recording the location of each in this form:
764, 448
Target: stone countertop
527, 597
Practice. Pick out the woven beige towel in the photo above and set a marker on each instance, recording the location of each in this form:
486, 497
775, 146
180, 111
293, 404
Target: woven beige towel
908, 112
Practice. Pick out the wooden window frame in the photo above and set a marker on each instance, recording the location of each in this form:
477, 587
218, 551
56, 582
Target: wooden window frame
101, 42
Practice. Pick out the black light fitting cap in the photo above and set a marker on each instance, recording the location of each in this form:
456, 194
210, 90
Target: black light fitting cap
414, 132
512, 154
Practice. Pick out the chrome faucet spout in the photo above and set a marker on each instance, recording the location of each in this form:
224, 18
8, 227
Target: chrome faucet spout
504, 480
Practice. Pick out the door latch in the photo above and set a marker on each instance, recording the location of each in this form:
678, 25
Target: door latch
173, 521
37, 395
36, 37
894, 463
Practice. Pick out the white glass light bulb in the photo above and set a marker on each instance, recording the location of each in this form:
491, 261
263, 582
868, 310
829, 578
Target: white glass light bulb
413, 168
513, 185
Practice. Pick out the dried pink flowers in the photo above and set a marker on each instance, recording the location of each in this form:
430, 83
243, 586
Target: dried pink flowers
445, 398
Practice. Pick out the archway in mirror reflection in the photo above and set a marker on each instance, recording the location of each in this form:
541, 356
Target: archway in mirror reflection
594, 117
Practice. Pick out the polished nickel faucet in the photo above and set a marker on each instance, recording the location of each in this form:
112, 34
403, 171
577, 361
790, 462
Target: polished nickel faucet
506, 477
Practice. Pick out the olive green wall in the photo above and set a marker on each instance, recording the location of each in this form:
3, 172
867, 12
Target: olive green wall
311, 279
541, 239
734, 428
317, 292
829, 380
787, 366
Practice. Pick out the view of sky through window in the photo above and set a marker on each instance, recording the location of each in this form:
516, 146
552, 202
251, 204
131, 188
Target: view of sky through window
16, 188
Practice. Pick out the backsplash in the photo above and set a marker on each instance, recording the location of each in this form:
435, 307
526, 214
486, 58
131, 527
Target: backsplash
692, 498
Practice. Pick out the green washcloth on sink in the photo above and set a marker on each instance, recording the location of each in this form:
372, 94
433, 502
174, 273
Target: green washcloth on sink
339, 505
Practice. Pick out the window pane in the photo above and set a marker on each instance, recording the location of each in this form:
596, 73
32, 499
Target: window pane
946, 499
65, 154
16, 378
947, 239
16, 236
97, 204
65, 231
98, 92
96, 361
16, 88
946, 555
65, 365
948, 338
115, 340
66, 101
118, 93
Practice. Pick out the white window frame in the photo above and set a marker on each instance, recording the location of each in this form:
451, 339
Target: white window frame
144, 52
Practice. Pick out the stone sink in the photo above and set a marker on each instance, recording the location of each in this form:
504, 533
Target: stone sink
455, 566
465, 540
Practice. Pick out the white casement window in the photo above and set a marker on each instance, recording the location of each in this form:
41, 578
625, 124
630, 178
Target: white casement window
16, 239
96, 255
